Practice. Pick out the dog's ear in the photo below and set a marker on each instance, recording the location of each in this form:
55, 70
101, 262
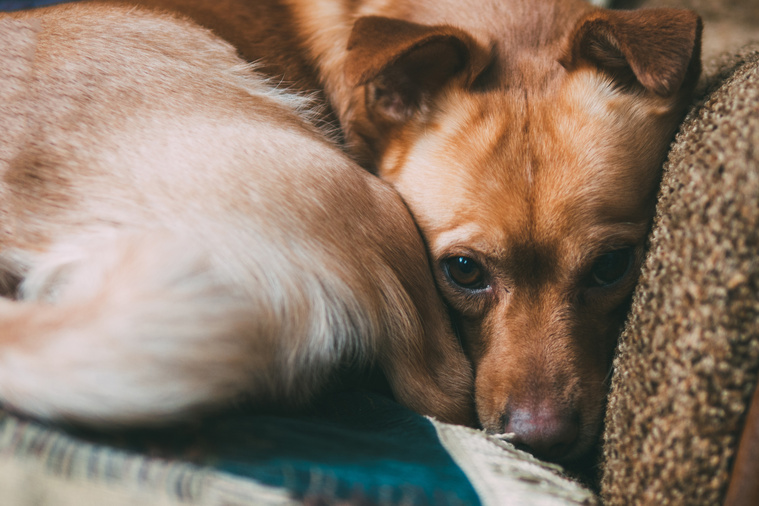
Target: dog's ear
403, 63
658, 48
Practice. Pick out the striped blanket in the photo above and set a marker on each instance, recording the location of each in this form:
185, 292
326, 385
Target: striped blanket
353, 448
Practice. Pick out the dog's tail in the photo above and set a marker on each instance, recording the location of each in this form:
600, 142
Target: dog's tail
134, 329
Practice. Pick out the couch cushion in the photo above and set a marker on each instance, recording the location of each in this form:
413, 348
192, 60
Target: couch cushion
687, 362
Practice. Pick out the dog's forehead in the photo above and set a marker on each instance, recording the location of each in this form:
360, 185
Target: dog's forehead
512, 162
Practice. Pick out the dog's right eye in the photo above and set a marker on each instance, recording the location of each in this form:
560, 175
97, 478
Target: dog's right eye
610, 268
465, 272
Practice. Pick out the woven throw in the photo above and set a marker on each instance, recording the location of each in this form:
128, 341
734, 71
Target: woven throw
354, 447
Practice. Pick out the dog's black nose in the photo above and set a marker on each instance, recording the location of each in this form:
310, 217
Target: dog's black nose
544, 431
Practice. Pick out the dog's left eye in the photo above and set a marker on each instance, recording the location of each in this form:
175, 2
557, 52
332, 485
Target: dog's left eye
612, 267
465, 272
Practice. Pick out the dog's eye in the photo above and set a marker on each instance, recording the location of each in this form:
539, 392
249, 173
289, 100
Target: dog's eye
465, 272
612, 267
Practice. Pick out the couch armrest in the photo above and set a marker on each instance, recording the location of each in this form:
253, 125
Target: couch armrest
688, 360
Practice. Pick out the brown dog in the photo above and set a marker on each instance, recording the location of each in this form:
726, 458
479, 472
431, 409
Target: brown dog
527, 138
175, 234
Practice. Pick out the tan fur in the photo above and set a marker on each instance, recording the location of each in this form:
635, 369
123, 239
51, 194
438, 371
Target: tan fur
524, 135
175, 234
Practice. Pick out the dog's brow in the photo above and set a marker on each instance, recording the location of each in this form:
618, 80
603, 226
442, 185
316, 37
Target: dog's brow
469, 235
603, 239
619, 233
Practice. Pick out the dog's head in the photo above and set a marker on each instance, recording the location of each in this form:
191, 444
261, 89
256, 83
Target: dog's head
534, 183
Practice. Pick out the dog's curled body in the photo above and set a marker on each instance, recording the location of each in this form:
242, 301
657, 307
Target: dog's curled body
174, 234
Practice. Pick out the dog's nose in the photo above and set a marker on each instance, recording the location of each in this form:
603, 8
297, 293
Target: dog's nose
544, 431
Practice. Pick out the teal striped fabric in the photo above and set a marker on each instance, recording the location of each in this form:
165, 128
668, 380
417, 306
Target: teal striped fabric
354, 446
13, 5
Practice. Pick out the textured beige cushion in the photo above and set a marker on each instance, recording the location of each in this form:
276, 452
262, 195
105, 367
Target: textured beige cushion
687, 362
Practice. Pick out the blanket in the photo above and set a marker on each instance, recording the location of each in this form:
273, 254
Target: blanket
353, 447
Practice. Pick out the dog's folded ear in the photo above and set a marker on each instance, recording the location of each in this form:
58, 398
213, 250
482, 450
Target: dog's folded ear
659, 49
403, 63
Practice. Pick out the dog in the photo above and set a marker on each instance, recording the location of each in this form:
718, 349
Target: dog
527, 139
176, 235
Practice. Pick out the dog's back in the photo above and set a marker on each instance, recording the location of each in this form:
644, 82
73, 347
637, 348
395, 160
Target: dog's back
182, 237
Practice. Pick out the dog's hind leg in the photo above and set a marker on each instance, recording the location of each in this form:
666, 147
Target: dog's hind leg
131, 329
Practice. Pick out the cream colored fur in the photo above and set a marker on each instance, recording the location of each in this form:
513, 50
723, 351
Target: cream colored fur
174, 235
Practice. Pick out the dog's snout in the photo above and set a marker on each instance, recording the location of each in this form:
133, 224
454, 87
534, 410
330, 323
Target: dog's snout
545, 431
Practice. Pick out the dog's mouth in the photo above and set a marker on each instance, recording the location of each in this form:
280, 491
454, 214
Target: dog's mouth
555, 424
563, 447
555, 439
